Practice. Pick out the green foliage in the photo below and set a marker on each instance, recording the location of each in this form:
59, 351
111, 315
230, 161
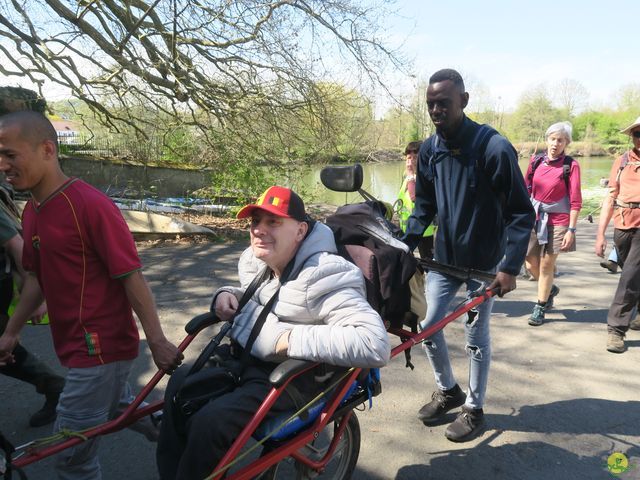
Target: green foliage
603, 127
533, 116
336, 122
413, 132
240, 179
180, 147
597, 126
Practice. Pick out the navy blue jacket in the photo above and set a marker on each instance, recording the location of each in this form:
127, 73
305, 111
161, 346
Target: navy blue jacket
484, 211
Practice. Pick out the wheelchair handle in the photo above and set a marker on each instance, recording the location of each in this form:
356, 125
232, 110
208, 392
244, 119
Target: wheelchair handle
201, 321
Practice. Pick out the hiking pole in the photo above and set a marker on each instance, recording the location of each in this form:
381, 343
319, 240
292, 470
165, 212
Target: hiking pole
589, 217
464, 274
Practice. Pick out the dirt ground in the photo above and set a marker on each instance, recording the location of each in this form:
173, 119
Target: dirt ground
558, 404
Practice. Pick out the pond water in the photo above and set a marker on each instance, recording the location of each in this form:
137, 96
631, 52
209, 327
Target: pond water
380, 179
383, 181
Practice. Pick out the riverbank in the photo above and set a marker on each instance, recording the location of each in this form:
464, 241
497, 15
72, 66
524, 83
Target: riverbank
575, 149
227, 228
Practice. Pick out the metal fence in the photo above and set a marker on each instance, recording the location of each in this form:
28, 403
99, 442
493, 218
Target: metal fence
110, 146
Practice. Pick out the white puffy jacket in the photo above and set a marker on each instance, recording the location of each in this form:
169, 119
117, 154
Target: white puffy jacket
323, 304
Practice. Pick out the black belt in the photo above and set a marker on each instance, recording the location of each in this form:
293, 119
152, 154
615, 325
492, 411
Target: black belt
627, 205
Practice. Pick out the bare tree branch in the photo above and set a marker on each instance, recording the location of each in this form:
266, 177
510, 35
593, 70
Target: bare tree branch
234, 70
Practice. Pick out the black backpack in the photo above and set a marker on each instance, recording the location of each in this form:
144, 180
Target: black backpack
478, 145
566, 169
392, 266
477, 149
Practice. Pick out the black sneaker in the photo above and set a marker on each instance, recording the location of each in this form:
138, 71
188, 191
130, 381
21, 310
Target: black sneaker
555, 290
468, 425
47, 414
441, 402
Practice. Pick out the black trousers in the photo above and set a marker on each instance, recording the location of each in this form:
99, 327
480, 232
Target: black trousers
26, 367
211, 431
628, 291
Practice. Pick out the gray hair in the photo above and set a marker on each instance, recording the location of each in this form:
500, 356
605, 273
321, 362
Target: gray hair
561, 127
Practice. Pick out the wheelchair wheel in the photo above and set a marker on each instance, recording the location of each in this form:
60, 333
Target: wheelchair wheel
340, 466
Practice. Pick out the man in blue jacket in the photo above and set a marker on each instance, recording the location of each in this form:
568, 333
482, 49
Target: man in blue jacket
468, 175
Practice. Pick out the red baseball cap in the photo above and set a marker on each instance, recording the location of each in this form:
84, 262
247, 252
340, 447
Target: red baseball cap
280, 201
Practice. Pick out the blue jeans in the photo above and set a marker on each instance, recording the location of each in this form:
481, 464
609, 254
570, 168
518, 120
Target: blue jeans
90, 397
440, 291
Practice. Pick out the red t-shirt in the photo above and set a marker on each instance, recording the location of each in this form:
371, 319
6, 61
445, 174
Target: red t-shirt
548, 186
78, 245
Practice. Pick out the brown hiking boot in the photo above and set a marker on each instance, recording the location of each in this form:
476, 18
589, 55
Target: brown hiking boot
610, 265
615, 341
635, 324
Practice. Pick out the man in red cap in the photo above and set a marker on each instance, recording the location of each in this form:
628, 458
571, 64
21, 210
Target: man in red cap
316, 310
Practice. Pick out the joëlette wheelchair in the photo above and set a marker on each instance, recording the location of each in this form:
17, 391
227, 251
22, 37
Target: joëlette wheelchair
322, 440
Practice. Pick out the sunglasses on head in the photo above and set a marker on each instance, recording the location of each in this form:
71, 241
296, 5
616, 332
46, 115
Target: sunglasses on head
407, 152
635, 134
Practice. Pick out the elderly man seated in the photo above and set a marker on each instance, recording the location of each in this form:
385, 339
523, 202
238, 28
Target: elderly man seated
316, 311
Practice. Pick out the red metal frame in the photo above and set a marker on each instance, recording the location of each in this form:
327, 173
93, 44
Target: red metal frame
288, 448
131, 414
292, 446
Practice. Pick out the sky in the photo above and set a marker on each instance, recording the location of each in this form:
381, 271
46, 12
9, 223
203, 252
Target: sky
505, 47
508, 47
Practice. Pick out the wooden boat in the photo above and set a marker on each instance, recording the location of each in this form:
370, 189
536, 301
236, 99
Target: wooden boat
148, 224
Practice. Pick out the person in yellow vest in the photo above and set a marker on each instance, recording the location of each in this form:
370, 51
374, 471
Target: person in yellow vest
406, 197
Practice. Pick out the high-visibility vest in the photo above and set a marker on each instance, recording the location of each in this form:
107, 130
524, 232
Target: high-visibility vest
14, 302
405, 207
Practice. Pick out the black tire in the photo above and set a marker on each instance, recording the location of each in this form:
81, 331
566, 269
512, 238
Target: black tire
340, 466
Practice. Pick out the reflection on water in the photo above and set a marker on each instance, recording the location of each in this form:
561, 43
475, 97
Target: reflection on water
383, 181
380, 179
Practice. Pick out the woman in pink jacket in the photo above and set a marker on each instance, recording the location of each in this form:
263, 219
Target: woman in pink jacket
553, 181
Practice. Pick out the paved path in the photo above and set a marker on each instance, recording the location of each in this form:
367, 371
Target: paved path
558, 404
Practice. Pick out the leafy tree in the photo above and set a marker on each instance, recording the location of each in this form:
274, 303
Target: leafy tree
533, 115
339, 123
420, 126
603, 127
